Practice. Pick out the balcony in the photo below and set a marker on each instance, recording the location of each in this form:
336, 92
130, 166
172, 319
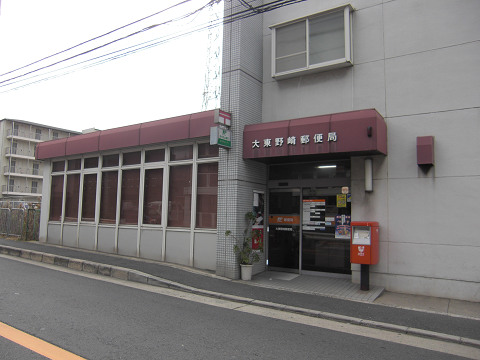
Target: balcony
26, 136
18, 190
20, 152
21, 172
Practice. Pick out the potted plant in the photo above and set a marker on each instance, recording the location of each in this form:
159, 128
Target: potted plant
243, 249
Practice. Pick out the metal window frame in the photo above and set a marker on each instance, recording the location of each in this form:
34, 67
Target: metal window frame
326, 65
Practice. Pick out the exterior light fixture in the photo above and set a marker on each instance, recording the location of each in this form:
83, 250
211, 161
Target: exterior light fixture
326, 166
368, 175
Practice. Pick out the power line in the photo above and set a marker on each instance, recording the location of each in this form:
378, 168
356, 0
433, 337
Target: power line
97, 37
240, 15
109, 43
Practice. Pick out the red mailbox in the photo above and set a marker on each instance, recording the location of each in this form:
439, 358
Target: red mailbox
364, 242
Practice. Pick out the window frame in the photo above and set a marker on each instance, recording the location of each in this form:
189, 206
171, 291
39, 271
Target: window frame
199, 198
345, 61
97, 191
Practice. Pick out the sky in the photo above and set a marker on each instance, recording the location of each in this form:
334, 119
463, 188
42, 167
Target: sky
163, 81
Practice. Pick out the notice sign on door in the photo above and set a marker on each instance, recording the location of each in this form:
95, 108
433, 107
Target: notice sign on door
341, 200
342, 226
314, 214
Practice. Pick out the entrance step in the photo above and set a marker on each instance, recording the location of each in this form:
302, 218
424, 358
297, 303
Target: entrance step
317, 285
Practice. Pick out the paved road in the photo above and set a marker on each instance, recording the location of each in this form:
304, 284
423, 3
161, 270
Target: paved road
103, 318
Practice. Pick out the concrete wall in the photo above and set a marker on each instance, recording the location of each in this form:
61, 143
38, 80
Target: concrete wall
416, 62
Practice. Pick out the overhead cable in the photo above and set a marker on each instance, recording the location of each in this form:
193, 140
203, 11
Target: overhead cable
149, 44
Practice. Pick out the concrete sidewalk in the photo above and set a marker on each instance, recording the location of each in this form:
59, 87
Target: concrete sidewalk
336, 299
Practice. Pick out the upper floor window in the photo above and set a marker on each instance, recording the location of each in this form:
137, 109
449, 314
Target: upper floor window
38, 134
55, 135
314, 43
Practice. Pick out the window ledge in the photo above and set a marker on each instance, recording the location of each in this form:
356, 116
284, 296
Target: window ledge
326, 66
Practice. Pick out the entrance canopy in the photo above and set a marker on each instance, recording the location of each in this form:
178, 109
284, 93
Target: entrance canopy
362, 132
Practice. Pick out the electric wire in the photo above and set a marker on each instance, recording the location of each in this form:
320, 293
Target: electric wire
151, 27
97, 37
240, 15
231, 18
111, 42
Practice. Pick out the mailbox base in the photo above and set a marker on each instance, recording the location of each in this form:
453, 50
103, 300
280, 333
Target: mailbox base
364, 277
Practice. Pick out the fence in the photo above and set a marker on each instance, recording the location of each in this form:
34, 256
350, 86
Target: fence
23, 222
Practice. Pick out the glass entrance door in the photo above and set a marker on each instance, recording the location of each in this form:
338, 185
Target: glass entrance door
284, 229
325, 230
309, 217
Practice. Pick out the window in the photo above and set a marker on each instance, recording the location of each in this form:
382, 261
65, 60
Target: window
14, 147
15, 129
108, 203
34, 187
206, 151
56, 198
180, 196
181, 153
36, 169
71, 197
207, 189
58, 166
11, 185
315, 43
89, 197
132, 158
154, 155
38, 134
129, 196
55, 135
90, 163
153, 189
110, 160
74, 164
13, 164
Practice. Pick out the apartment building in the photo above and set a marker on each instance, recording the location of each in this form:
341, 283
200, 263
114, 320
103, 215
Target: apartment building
20, 174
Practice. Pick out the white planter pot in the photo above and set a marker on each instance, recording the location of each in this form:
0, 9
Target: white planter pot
246, 271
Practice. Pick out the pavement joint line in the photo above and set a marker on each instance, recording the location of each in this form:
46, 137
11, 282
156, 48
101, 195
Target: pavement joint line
141, 277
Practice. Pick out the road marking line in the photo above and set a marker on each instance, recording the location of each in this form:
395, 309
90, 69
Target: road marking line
35, 344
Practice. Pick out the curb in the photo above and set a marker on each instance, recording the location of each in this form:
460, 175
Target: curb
144, 278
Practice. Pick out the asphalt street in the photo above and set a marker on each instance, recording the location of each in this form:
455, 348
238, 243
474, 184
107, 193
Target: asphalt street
457, 326
103, 318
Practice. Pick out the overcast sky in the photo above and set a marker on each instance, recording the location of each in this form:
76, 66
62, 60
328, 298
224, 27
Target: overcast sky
163, 81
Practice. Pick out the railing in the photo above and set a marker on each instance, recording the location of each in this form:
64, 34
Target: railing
19, 189
17, 170
19, 151
9, 169
27, 135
